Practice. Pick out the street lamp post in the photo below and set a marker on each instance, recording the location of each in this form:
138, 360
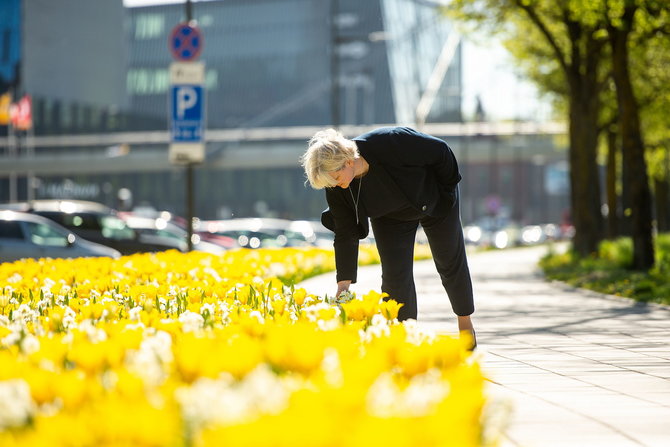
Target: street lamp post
334, 66
190, 190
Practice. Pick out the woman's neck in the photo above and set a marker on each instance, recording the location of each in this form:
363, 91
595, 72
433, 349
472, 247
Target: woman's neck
361, 167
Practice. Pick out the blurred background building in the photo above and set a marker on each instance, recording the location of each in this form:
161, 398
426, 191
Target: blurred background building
276, 71
272, 63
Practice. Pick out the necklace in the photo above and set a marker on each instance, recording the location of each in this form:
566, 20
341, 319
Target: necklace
358, 195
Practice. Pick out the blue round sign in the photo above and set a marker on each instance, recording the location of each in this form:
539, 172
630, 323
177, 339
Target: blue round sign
185, 42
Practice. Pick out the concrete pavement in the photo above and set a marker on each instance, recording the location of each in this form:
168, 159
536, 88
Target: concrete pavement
574, 368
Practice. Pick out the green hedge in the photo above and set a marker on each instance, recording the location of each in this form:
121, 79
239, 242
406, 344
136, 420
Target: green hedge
608, 271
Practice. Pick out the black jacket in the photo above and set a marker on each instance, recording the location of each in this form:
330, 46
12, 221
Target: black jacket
421, 167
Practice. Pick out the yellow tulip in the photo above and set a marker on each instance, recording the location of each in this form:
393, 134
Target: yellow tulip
89, 357
390, 309
299, 296
108, 344
41, 385
73, 389
298, 347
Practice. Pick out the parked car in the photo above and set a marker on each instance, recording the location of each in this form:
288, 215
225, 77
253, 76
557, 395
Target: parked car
180, 222
538, 234
97, 223
493, 232
256, 232
25, 235
161, 228
313, 232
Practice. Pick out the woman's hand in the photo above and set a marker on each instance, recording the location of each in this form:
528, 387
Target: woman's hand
342, 286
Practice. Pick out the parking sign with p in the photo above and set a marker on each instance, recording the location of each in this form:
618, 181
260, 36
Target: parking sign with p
187, 112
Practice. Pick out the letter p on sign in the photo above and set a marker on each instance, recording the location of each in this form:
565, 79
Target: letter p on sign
187, 98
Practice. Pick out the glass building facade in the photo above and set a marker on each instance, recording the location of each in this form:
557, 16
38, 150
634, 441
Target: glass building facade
272, 63
417, 35
284, 63
10, 43
97, 68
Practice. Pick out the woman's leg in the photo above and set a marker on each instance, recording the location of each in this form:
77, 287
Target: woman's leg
445, 236
395, 243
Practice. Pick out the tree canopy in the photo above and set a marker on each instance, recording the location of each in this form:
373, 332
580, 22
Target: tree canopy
605, 62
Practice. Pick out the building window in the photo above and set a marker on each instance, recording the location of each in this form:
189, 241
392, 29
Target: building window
149, 81
145, 81
149, 26
205, 20
212, 79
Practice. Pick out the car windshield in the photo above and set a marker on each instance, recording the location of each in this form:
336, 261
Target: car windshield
41, 234
115, 228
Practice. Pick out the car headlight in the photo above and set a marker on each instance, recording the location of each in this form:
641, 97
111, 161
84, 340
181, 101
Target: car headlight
532, 235
473, 234
501, 239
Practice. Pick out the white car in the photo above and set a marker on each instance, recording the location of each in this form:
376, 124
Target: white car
25, 235
161, 229
256, 232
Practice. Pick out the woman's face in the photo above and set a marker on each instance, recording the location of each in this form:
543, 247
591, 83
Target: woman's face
344, 176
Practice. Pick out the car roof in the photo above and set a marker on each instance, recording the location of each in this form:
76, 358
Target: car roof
246, 223
148, 222
8, 215
68, 206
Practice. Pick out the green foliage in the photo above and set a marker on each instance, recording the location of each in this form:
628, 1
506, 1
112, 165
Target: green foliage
663, 254
618, 252
608, 272
516, 22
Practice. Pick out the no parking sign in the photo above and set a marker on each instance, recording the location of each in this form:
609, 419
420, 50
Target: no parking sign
185, 42
186, 98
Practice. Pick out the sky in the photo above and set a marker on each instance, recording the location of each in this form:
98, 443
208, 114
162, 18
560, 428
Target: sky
487, 72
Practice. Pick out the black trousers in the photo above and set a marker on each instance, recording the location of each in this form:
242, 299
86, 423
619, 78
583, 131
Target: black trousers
395, 242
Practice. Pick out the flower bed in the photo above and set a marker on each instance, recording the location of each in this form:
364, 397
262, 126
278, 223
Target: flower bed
175, 349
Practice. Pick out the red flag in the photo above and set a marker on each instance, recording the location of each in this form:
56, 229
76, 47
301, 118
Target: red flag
21, 113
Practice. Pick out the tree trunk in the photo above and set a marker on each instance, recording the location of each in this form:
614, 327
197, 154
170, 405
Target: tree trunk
625, 226
612, 199
661, 196
584, 178
632, 146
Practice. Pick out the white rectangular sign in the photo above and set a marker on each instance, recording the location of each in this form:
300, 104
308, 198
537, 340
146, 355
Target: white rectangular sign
187, 73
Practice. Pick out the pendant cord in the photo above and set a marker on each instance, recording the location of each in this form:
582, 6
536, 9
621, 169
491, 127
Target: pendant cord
358, 195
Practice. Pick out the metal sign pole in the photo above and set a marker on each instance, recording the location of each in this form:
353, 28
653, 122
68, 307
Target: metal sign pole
12, 155
30, 153
186, 110
189, 168
189, 204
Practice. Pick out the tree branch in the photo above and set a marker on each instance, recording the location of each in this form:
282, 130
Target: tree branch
537, 20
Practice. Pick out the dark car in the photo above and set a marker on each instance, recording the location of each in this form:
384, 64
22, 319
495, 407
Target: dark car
98, 223
25, 235
168, 220
159, 227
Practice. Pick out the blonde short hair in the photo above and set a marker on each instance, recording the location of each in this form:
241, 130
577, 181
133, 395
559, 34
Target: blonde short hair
327, 152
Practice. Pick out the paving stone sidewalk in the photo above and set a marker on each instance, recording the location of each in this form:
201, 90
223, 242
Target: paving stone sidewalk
576, 368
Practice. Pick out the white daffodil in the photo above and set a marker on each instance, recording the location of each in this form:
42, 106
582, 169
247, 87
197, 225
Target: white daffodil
16, 405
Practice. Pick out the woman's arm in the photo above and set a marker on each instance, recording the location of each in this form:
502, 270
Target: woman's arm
342, 286
346, 235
